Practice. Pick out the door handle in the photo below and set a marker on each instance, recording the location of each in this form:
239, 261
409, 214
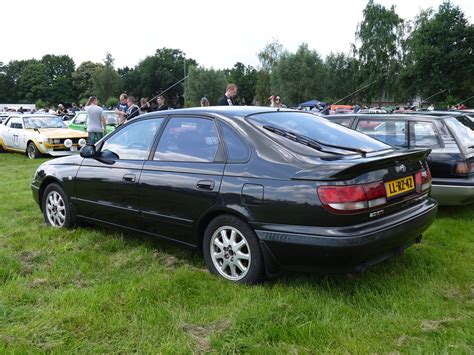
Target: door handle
205, 185
129, 177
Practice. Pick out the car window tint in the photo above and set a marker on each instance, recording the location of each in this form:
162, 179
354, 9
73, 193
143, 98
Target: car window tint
424, 134
81, 118
237, 150
389, 131
188, 140
134, 141
317, 128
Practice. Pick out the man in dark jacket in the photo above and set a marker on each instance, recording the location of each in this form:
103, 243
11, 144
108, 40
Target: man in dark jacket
227, 99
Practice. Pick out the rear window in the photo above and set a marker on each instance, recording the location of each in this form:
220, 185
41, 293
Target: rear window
466, 120
389, 131
464, 134
318, 129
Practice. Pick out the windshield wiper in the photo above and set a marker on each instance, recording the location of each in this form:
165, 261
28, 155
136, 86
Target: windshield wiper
312, 143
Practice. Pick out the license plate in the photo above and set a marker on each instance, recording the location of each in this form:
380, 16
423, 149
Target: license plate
399, 186
73, 149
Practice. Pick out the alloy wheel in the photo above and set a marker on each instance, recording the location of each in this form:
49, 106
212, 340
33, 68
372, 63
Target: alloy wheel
31, 150
55, 209
230, 253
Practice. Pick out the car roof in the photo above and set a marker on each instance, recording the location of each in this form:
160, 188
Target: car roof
388, 116
239, 111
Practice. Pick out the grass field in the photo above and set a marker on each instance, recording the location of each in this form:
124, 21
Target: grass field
99, 290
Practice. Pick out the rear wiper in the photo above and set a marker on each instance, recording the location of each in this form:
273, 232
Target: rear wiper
312, 143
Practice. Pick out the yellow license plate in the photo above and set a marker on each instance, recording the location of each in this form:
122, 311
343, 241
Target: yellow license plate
399, 186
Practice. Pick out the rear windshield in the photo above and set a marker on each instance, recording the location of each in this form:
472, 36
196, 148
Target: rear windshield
462, 132
318, 129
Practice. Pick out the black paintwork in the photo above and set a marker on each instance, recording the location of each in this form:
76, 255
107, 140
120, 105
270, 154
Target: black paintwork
275, 191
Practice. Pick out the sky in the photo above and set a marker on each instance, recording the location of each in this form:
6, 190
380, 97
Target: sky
215, 33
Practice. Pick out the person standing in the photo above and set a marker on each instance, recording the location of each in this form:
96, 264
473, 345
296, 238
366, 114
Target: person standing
95, 121
122, 106
162, 103
228, 98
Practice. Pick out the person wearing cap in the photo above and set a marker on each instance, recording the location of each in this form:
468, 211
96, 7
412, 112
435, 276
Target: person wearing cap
95, 121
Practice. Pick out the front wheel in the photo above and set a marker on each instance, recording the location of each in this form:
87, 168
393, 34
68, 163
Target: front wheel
231, 250
32, 151
56, 209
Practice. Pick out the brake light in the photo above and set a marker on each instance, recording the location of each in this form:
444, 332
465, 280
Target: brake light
463, 168
423, 180
352, 198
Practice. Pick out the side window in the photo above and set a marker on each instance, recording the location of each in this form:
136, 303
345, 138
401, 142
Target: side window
424, 134
389, 131
135, 140
342, 121
15, 122
188, 140
81, 118
237, 150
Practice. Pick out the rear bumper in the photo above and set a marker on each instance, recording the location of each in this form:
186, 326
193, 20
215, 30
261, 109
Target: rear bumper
453, 191
344, 248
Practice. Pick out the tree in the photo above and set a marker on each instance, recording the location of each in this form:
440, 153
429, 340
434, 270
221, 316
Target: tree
82, 79
245, 77
380, 34
204, 82
342, 76
298, 77
106, 80
440, 55
33, 83
158, 72
268, 57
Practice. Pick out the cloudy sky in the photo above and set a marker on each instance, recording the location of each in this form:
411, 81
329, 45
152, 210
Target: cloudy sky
215, 33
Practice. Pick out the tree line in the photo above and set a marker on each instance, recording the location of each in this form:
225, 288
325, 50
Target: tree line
431, 55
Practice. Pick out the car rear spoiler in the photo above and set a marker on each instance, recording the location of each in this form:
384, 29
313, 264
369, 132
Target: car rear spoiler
349, 169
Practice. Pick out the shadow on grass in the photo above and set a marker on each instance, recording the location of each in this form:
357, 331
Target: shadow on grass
466, 211
186, 255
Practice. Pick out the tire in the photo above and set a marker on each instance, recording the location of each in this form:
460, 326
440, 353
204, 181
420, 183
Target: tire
32, 151
231, 250
57, 211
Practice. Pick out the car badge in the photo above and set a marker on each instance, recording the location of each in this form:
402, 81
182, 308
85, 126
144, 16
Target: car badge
400, 168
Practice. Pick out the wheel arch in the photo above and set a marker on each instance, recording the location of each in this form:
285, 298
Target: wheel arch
206, 218
46, 182
37, 145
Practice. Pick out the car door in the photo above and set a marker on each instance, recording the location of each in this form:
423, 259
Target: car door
183, 177
14, 133
106, 186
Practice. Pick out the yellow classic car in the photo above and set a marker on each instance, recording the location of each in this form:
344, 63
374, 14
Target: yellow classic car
40, 134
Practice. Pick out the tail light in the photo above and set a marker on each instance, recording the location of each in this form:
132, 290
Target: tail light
352, 198
357, 198
423, 180
463, 168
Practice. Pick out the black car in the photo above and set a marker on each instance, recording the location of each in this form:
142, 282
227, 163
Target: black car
256, 190
450, 138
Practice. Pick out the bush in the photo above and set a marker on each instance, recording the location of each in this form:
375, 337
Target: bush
112, 102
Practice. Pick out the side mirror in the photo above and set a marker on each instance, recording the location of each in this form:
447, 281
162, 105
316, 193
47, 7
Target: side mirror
88, 151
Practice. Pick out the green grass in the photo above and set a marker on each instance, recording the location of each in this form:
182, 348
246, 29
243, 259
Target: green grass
100, 290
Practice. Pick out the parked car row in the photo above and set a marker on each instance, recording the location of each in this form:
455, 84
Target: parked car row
254, 190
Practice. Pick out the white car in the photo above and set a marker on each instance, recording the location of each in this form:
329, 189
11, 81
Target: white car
40, 134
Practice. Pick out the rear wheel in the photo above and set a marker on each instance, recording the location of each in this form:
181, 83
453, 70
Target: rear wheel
32, 151
56, 209
231, 250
